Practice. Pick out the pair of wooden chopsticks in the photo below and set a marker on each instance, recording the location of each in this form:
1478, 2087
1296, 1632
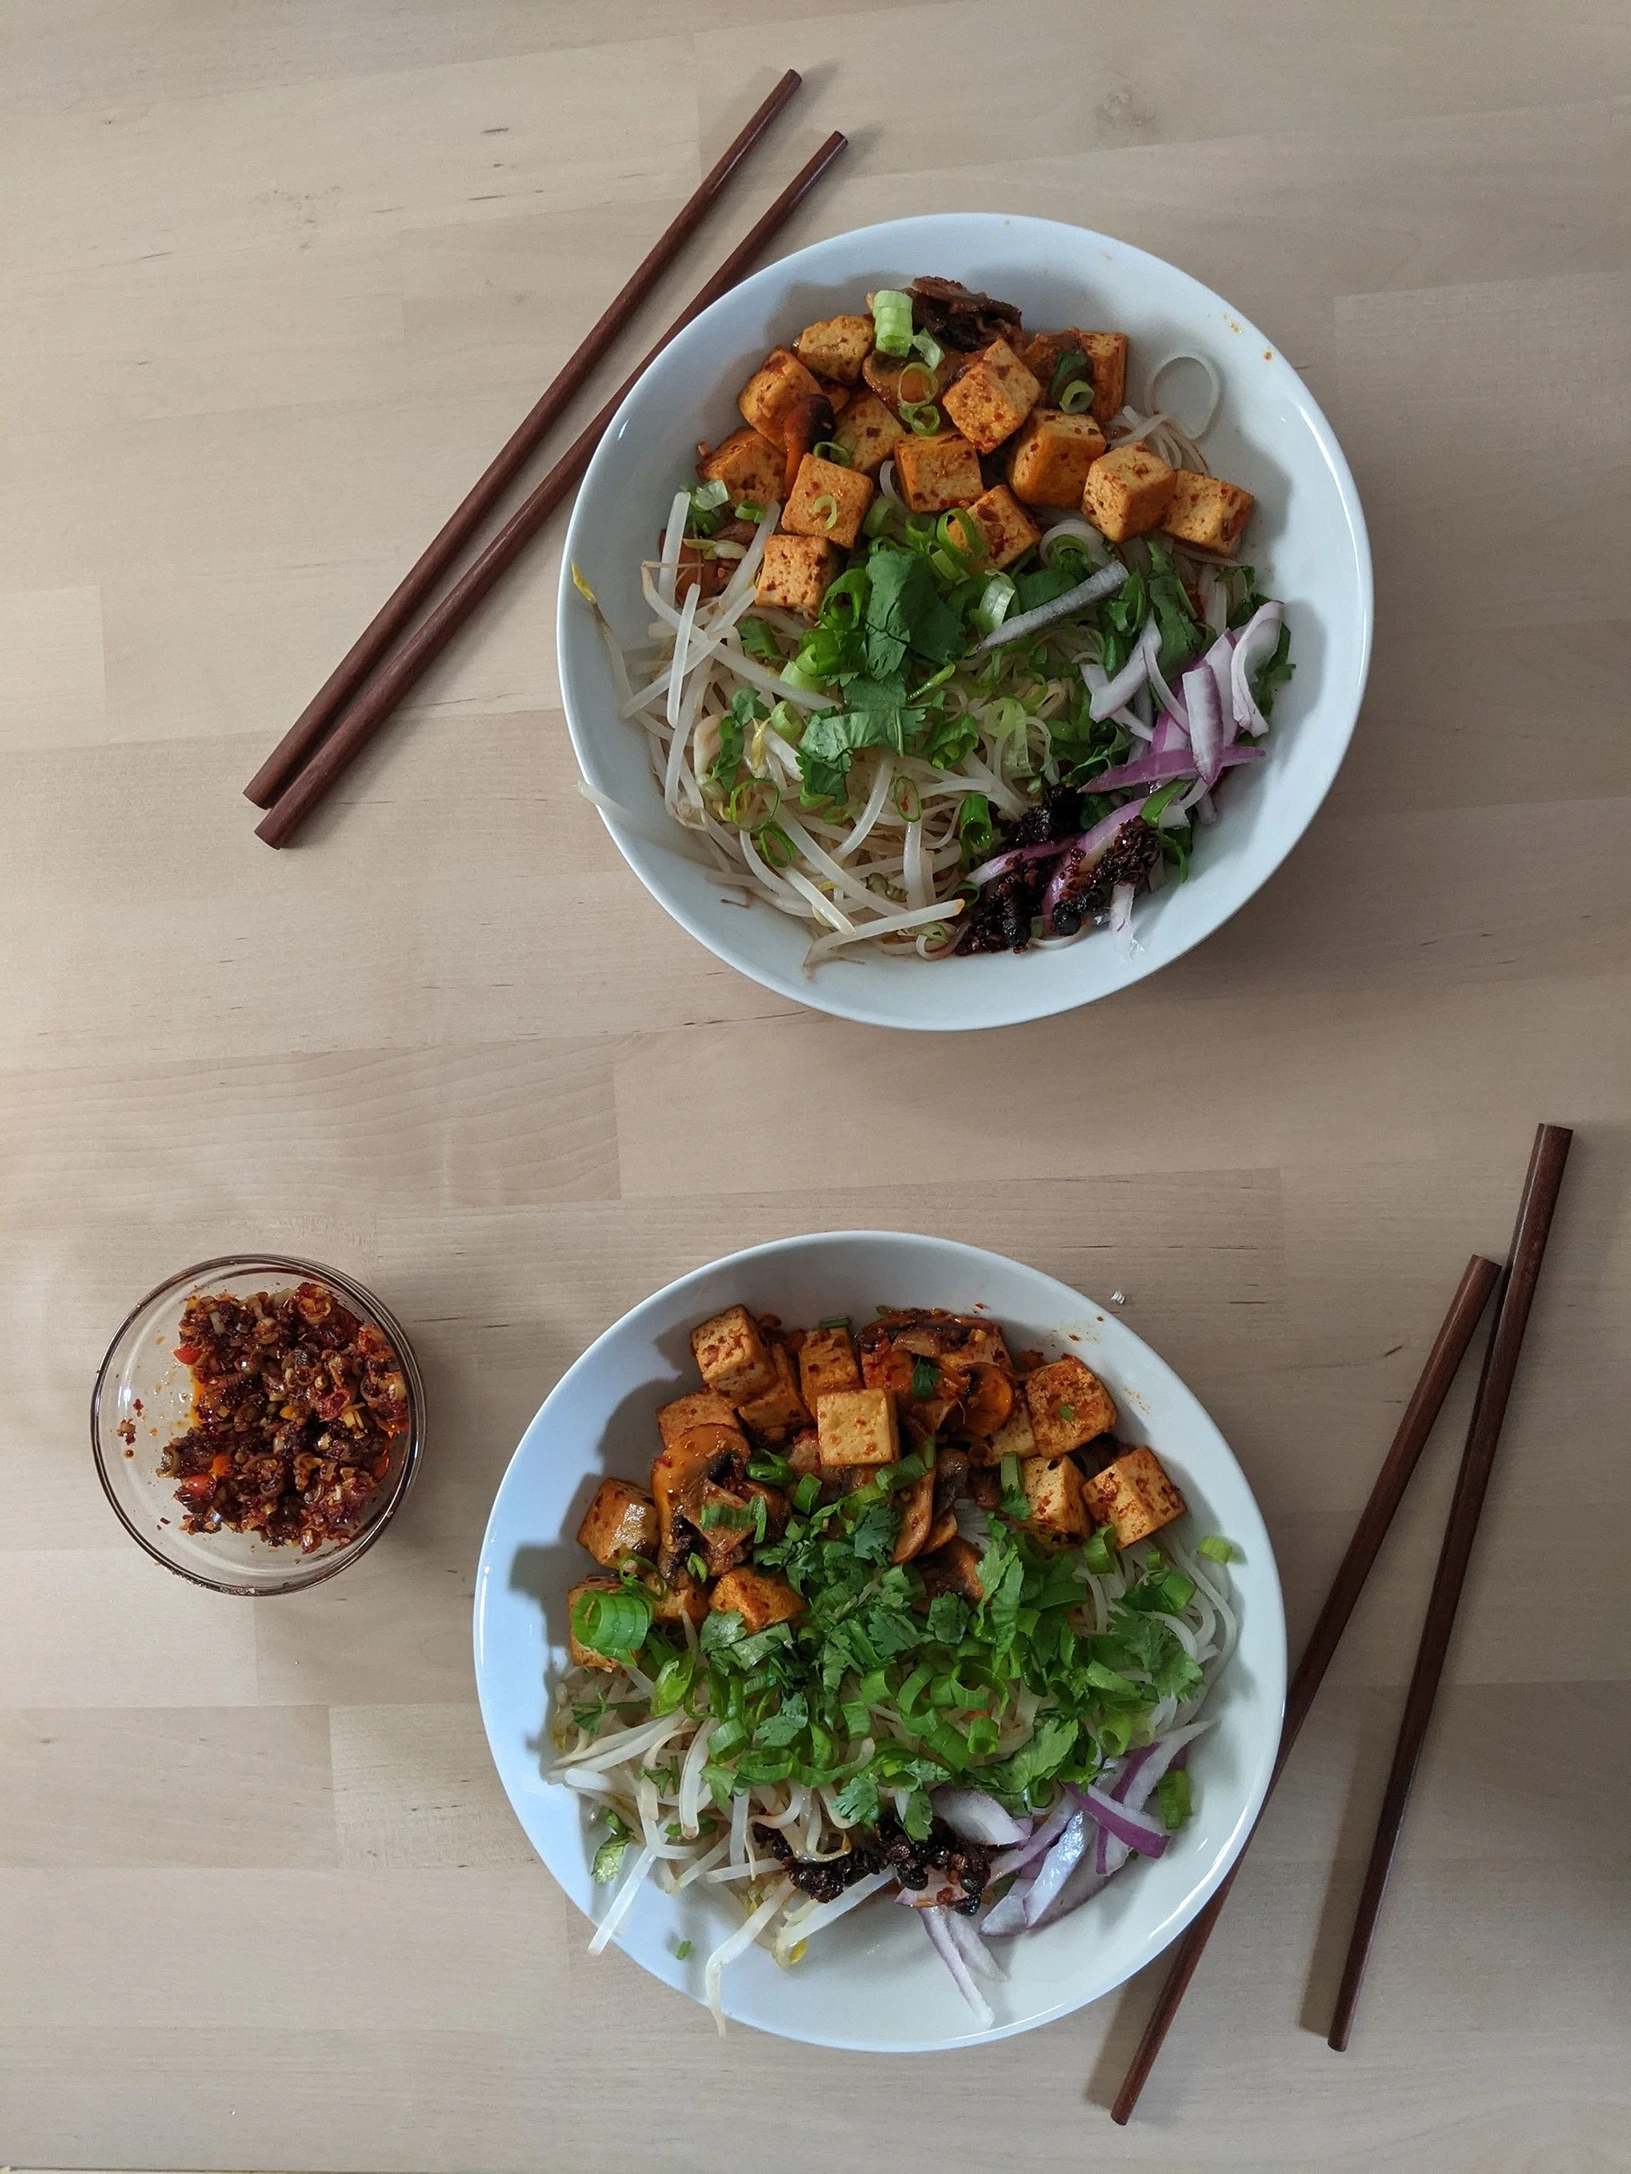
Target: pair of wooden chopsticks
1517, 1286
350, 707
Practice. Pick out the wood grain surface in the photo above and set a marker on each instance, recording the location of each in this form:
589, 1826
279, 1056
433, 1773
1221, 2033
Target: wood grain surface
278, 279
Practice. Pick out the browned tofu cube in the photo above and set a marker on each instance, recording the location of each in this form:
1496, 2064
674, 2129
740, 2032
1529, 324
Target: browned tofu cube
1107, 358
953, 1568
857, 1426
1127, 492
1007, 529
1016, 1437
772, 391
1205, 512
758, 1599
1055, 1512
586, 1656
904, 381
1049, 460
732, 1355
1133, 1496
1043, 352
781, 1410
749, 466
621, 1521
827, 500
795, 573
1069, 1405
827, 1361
937, 473
992, 397
836, 347
702, 1408
868, 433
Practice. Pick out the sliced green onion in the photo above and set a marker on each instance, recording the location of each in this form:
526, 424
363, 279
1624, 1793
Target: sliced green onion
825, 510
892, 322
926, 345
705, 496
962, 532
974, 825
698, 1567
1071, 366
1216, 1549
726, 1514
950, 565
682, 1952
996, 601
834, 1321
910, 803
796, 675
775, 846
1172, 1791
612, 1624
1076, 397
880, 516
1099, 1553
608, 1859
1067, 1413
921, 417
829, 449
749, 509
807, 1493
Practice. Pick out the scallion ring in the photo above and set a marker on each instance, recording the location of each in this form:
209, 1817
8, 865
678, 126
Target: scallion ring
1072, 364
892, 322
775, 846
1076, 398
922, 418
825, 510
829, 449
911, 399
909, 801
971, 541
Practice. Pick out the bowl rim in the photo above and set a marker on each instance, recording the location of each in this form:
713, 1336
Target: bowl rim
817, 993
1271, 1597
240, 1264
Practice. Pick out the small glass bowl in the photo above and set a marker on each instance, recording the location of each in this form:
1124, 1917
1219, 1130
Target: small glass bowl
143, 1386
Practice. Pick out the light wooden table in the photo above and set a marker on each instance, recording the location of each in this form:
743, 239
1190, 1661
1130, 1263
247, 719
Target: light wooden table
276, 280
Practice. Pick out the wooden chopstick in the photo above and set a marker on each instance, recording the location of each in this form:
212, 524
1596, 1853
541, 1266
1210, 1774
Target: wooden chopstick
448, 545
1540, 1191
364, 718
1443, 1362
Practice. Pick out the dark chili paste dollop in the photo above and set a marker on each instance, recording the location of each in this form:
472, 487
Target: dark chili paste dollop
296, 1405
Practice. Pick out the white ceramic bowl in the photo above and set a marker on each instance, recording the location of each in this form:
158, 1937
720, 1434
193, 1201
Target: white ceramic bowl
1307, 533
872, 1984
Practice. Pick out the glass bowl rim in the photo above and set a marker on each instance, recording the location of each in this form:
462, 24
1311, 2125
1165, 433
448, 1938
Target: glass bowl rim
349, 1287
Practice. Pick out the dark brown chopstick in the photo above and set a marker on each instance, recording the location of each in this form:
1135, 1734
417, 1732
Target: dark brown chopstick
1443, 1363
1540, 1191
364, 718
458, 532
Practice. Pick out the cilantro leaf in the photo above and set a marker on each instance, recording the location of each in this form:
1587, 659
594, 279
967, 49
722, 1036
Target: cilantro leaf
1182, 636
858, 1799
905, 613
1271, 676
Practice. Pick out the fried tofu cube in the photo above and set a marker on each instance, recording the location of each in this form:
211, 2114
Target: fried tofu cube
772, 391
1016, 1437
795, 573
857, 1426
759, 1600
1133, 1496
826, 1362
621, 1521
939, 472
702, 1408
1107, 358
676, 1597
732, 1355
749, 466
904, 380
953, 1568
1043, 352
1049, 460
586, 1656
868, 432
992, 397
1205, 512
1127, 492
836, 347
781, 1409
827, 500
1055, 1511
1069, 1406
1007, 529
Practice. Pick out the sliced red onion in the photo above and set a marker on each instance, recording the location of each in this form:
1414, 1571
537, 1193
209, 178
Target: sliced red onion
1254, 645
1110, 1854
1007, 1916
1153, 769
934, 1923
1218, 660
1168, 737
980, 1818
1121, 921
1205, 722
1136, 1829
1017, 857
1110, 697
1104, 583
1057, 1866
1090, 847
1013, 1860
1142, 1770
1205, 810
1083, 1884
976, 1954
